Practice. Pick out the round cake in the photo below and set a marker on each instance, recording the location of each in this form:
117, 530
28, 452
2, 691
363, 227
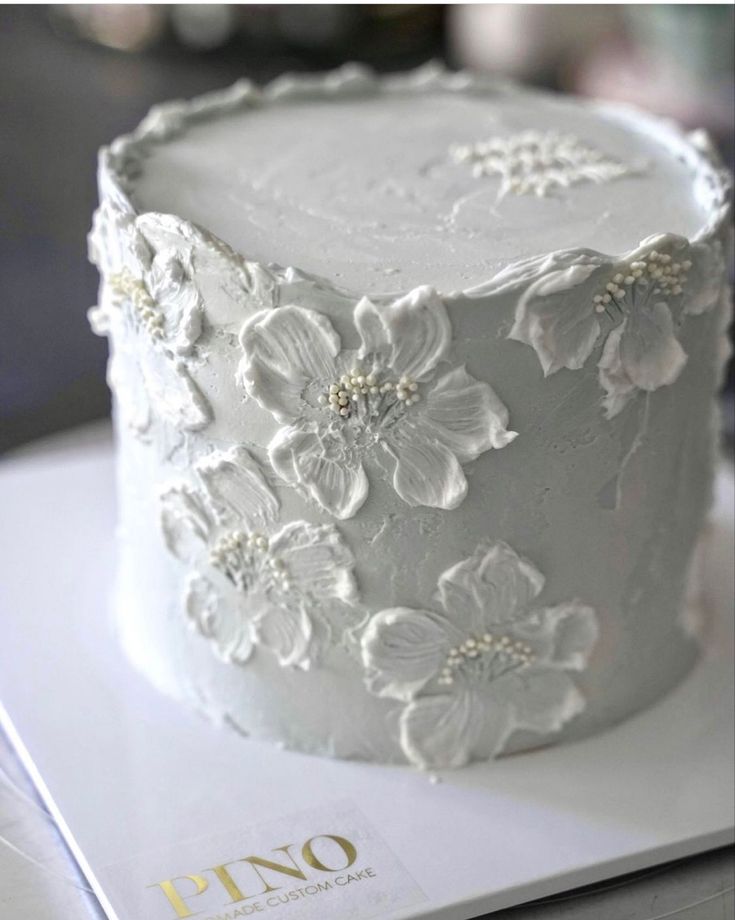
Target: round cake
414, 389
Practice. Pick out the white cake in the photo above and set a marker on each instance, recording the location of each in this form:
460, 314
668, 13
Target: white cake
414, 385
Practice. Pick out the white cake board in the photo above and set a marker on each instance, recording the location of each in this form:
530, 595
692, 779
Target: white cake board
144, 790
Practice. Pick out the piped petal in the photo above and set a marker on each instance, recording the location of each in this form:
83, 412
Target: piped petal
575, 632
318, 561
177, 296
562, 636
405, 649
116, 244
373, 331
173, 394
239, 494
641, 353
186, 522
330, 475
441, 731
543, 700
285, 349
556, 317
413, 332
132, 404
221, 620
466, 415
619, 388
706, 277
649, 350
286, 632
490, 588
428, 473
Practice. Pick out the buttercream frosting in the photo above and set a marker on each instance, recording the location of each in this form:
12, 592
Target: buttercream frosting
387, 199
413, 389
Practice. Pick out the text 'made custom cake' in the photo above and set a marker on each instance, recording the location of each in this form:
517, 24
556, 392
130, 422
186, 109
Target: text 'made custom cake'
414, 385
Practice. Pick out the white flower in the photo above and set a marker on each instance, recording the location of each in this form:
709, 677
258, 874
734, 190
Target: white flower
384, 400
255, 584
154, 307
535, 163
481, 665
634, 305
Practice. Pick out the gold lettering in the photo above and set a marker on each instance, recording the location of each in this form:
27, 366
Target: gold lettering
229, 883
175, 899
292, 870
347, 848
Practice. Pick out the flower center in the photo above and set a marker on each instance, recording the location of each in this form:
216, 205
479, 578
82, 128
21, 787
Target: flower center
125, 287
657, 270
485, 658
368, 396
243, 557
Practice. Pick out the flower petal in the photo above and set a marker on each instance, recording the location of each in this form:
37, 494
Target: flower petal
219, 619
561, 636
649, 350
498, 720
115, 242
99, 319
489, 588
372, 329
286, 632
706, 277
427, 473
441, 731
132, 404
174, 291
285, 349
318, 561
556, 317
575, 633
641, 353
237, 489
282, 398
542, 699
405, 648
173, 394
331, 476
185, 521
231, 289
466, 415
415, 329
612, 375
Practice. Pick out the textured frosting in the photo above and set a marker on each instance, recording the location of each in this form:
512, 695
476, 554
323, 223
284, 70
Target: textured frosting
465, 516
386, 198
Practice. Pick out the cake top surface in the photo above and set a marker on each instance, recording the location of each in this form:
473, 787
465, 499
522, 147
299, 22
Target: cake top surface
383, 185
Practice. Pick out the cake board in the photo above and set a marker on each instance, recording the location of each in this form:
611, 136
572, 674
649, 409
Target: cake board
145, 791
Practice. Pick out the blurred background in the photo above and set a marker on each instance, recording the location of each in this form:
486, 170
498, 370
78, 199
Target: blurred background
72, 77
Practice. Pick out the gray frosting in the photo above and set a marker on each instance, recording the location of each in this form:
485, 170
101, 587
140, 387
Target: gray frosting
578, 494
373, 180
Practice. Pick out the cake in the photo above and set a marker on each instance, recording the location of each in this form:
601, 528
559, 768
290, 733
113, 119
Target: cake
414, 389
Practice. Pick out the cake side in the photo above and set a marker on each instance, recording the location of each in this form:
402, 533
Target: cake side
427, 526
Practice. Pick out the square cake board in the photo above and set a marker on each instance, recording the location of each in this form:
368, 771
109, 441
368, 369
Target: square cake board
144, 790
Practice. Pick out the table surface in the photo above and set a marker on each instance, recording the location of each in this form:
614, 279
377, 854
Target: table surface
39, 878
